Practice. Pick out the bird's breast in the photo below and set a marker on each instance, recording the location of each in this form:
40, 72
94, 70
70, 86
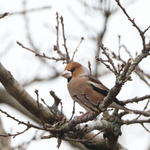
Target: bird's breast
81, 92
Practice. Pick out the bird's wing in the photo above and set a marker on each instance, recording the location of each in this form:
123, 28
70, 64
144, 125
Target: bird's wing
100, 88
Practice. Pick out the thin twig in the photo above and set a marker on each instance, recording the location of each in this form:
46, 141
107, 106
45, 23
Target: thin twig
57, 30
40, 55
15, 134
89, 66
136, 99
82, 38
30, 10
4, 15
136, 121
64, 39
109, 59
21, 122
39, 108
142, 75
50, 109
143, 110
145, 127
104, 62
92, 106
73, 111
56, 47
134, 24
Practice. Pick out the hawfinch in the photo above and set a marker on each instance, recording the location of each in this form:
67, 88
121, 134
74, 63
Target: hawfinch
85, 89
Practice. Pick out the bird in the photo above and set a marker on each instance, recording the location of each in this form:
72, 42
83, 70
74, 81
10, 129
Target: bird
87, 90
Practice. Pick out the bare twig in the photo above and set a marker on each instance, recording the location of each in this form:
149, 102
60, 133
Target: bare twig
30, 10
124, 76
145, 127
39, 108
143, 110
136, 99
127, 51
37, 94
4, 15
56, 47
89, 66
28, 124
24, 145
104, 62
136, 121
15, 134
88, 103
109, 60
142, 75
64, 38
73, 111
51, 109
37, 54
57, 31
82, 38
134, 24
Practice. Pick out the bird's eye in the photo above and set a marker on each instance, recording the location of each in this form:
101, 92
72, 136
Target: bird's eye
73, 69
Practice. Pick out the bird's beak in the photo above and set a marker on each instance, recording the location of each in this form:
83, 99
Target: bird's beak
66, 74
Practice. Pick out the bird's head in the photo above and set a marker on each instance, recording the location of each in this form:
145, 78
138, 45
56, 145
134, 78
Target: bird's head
73, 70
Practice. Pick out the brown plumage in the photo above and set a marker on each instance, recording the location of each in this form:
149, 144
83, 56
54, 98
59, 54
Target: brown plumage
87, 90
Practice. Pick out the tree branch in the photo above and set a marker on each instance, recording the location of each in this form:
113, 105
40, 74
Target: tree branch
125, 75
9, 100
21, 95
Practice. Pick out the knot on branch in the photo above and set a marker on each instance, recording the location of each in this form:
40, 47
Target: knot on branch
113, 135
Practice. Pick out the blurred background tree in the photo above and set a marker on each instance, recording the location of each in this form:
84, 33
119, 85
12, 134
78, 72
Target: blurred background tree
33, 25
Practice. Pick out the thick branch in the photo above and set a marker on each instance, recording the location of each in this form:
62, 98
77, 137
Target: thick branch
98, 125
9, 100
21, 95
